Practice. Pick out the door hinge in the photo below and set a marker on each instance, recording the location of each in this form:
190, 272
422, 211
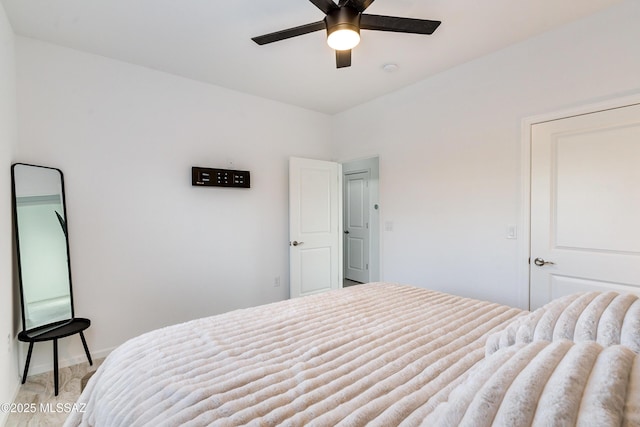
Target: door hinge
367, 266
367, 225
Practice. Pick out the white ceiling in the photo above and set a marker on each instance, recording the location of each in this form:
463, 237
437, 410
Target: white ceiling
210, 40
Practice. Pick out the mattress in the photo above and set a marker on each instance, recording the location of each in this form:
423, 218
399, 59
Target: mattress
379, 354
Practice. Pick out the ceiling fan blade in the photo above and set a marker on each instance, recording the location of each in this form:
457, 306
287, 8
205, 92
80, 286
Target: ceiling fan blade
399, 25
325, 5
359, 5
288, 33
343, 58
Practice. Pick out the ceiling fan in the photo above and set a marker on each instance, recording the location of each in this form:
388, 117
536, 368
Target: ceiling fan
343, 24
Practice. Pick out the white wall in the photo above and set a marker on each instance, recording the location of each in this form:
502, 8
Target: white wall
8, 138
450, 150
147, 248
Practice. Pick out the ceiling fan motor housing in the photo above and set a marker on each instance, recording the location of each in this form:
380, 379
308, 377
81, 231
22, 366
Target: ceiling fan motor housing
344, 18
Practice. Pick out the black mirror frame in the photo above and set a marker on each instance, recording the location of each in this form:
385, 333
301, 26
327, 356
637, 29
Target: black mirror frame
41, 328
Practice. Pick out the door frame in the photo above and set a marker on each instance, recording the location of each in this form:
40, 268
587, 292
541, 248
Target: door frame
524, 247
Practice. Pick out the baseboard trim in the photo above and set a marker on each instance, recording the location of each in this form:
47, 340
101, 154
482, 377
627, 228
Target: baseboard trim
63, 363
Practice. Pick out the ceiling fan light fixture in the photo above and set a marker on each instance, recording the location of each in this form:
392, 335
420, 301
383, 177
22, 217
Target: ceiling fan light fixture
343, 28
343, 39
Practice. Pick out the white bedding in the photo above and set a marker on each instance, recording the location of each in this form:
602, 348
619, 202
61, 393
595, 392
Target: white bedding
378, 354
607, 318
559, 383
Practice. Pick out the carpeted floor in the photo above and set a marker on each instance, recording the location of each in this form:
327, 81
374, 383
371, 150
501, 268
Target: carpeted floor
35, 404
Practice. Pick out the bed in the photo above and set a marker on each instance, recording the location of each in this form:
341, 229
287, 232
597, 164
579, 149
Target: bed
379, 354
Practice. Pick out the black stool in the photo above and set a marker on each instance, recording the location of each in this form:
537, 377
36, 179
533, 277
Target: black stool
54, 332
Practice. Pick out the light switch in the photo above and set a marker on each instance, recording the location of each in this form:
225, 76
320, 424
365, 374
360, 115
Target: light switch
388, 226
512, 232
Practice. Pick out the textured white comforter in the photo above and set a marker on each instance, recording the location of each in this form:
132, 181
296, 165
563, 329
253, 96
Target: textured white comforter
381, 355
573, 362
378, 354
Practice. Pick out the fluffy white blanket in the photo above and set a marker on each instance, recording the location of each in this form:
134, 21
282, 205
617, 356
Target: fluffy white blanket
377, 354
548, 384
380, 355
608, 318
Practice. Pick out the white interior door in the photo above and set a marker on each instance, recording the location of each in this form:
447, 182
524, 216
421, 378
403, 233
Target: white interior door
585, 204
315, 229
356, 226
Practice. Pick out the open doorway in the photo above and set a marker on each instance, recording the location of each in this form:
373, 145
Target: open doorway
361, 221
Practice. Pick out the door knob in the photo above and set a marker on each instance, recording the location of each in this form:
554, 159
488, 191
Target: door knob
296, 243
540, 262
346, 231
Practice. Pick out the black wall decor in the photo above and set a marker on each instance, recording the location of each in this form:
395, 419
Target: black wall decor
210, 177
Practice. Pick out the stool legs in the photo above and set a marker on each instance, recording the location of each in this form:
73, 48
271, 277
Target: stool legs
86, 349
26, 366
55, 365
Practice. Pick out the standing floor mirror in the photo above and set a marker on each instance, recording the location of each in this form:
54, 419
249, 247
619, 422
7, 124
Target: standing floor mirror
44, 267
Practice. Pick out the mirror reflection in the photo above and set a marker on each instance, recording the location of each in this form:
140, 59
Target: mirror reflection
42, 245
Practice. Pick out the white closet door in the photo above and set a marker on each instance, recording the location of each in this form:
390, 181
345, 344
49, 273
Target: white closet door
585, 204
